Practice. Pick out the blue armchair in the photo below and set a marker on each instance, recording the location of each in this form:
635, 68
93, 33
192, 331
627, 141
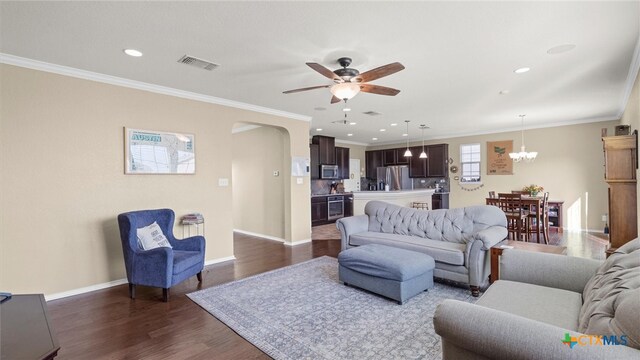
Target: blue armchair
160, 267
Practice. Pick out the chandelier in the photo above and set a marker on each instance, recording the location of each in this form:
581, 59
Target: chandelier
523, 154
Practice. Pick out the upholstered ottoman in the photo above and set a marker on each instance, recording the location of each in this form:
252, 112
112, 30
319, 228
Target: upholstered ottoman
392, 272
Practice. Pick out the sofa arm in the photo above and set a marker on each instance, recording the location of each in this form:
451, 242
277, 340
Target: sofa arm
351, 225
491, 236
550, 270
194, 243
469, 330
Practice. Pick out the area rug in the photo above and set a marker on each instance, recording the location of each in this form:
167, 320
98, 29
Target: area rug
303, 312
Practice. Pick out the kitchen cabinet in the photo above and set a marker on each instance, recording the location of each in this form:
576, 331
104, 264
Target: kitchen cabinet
319, 211
373, 160
342, 160
315, 161
440, 201
392, 157
326, 149
417, 166
348, 205
620, 164
438, 160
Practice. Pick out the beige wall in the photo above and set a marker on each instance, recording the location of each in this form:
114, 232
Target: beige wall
258, 195
62, 180
631, 117
569, 166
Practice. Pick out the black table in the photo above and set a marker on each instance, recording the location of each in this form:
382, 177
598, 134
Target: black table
25, 329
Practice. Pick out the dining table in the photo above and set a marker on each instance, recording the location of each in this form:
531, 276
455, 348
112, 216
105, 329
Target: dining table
530, 203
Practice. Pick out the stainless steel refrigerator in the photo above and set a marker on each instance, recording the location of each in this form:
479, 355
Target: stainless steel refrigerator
397, 177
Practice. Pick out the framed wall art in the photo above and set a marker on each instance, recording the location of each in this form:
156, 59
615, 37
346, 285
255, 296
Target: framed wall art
158, 152
498, 160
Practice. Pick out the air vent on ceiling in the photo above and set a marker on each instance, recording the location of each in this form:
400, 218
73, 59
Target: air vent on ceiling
371, 113
199, 63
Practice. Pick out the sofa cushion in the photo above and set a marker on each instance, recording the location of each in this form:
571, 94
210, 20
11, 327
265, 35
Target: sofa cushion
612, 297
441, 251
451, 225
548, 305
386, 262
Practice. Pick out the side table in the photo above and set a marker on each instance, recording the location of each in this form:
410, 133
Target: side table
496, 251
26, 331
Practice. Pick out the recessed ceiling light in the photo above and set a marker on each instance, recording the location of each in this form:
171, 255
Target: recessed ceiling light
132, 52
521, 70
346, 109
352, 123
503, 92
383, 129
318, 129
320, 108
560, 49
349, 134
394, 124
374, 139
405, 134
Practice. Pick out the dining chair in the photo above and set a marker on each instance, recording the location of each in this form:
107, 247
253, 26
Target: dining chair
520, 192
492, 194
532, 227
511, 205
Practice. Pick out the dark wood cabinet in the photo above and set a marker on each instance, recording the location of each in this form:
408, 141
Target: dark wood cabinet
620, 164
438, 160
440, 201
348, 205
392, 157
373, 160
319, 211
342, 160
417, 166
315, 161
326, 149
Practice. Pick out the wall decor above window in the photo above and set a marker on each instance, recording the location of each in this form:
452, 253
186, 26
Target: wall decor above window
158, 152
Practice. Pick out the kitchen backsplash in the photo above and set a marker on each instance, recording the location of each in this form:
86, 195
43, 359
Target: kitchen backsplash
319, 187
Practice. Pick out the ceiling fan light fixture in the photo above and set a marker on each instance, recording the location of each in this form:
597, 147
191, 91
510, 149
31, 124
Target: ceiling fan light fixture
345, 91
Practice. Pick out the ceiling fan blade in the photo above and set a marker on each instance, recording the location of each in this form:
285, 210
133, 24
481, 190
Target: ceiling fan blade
324, 71
305, 89
379, 72
380, 90
335, 100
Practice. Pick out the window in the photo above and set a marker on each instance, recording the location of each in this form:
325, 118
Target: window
470, 163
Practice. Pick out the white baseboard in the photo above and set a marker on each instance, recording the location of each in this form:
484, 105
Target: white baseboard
268, 237
219, 260
85, 289
113, 283
298, 242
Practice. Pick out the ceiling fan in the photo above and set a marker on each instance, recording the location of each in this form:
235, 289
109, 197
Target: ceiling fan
348, 81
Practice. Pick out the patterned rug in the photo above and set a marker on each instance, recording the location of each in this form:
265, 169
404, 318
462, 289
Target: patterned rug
303, 312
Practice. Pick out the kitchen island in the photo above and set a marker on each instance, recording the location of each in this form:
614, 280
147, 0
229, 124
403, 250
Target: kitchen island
399, 197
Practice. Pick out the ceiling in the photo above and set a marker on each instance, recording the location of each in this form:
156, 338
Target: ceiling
458, 57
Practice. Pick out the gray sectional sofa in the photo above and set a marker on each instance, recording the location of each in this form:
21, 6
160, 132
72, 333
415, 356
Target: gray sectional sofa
458, 239
543, 307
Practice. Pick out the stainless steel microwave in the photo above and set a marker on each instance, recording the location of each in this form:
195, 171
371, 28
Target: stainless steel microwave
328, 171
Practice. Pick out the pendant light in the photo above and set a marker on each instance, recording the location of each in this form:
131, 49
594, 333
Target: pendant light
523, 154
408, 152
423, 155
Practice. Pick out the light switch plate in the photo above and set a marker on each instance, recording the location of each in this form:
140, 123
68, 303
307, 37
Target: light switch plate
223, 182
299, 181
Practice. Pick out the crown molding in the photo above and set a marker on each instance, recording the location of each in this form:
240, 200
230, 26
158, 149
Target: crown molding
139, 85
506, 130
631, 78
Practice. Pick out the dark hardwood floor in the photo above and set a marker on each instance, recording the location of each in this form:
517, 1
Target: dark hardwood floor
106, 324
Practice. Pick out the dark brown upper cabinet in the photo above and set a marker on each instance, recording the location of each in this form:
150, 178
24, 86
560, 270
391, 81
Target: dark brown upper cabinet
326, 149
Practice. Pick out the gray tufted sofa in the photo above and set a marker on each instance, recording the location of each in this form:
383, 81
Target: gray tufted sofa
457, 239
542, 300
